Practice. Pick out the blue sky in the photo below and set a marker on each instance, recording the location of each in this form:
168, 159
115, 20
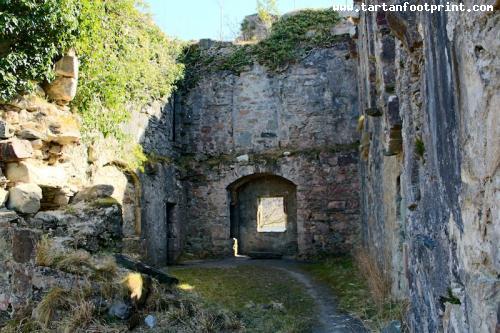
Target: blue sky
195, 19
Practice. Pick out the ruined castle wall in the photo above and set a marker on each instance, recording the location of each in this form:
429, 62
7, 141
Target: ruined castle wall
162, 194
438, 221
299, 124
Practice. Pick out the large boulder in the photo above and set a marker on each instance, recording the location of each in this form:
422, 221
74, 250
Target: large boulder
15, 150
34, 171
114, 177
25, 198
63, 128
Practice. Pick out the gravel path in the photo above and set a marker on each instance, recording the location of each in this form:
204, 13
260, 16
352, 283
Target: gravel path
330, 320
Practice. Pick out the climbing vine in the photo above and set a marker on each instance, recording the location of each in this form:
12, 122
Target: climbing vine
125, 60
32, 35
140, 63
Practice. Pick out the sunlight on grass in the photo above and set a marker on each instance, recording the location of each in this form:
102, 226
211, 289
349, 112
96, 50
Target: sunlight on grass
266, 299
185, 286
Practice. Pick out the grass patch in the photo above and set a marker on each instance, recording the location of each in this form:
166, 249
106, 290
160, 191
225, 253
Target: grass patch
266, 299
352, 289
45, 255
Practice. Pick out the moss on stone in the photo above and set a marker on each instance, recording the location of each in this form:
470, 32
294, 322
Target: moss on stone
105, 202
419, 147
291, 37
294, 35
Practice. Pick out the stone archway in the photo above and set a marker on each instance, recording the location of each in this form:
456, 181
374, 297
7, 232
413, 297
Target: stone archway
263, 214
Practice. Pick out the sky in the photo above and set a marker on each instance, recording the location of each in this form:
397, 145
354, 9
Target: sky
196, 19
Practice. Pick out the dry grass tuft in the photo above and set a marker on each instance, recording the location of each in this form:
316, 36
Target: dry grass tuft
378, 282
361, 123
80, 317
45, 255
74, 261
56, 298
107, 269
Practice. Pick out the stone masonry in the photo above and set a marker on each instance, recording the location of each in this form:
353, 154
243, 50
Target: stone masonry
299, 124
428, 88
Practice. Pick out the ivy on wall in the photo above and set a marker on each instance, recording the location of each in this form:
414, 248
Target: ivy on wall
125, 59
32, 35
126, 62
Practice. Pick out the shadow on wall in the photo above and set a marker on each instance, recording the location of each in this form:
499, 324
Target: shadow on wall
162, 196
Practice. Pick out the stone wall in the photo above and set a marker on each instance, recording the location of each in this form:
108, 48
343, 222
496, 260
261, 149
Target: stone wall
299, 124
430, 148
50, 191
161, 236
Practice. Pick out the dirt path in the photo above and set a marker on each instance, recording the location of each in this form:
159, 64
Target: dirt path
330, 320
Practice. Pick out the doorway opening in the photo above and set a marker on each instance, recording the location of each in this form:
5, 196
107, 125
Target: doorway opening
263, 215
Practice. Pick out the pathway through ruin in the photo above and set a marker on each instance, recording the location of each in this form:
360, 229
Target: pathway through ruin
330, 320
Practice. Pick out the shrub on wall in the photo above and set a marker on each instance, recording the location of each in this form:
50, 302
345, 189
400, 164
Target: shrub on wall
293, 35
126, 62
32, 35
125, 59
291, 38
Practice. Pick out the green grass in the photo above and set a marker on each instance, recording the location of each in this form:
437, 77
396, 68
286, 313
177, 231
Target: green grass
349, 285
265, 299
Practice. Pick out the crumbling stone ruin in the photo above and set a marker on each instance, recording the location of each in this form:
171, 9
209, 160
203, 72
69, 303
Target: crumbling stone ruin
386, 138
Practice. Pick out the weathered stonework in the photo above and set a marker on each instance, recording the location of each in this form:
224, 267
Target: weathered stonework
429, 208
422, 191
299, 124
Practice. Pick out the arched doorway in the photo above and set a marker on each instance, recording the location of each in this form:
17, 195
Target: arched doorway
263, 215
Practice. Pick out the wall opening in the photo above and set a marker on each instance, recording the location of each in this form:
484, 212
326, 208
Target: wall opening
263, 215
271, 215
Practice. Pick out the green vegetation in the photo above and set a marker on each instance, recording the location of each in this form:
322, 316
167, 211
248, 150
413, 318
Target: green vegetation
267, 11
74, 308
266, 299
140, 63
419, 147
350, 283
32, 35
452, 299
291, 38
125, 60
197, 61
